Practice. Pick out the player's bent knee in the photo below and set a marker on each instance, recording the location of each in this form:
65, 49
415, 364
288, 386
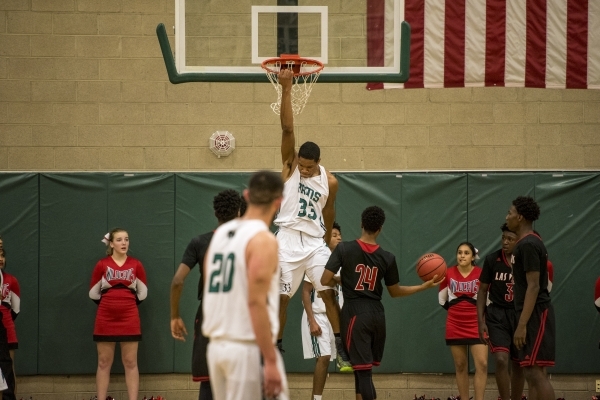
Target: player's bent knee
501, 360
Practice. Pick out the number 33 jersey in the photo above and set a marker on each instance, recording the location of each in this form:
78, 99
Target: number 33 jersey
363, 267
225, 298
303, 203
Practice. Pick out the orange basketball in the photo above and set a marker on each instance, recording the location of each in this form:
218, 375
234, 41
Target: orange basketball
431, 264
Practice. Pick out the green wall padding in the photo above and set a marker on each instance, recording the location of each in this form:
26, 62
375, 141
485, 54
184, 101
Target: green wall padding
52, 225
354, 195
194, 215
570, 226
144, 205
434, 219
490, 197
73, 215
19, 229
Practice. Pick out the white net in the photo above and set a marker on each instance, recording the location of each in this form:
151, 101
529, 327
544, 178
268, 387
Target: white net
304, 79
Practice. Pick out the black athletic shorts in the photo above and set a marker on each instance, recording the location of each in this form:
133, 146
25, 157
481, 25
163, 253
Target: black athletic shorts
199, 362
363, 332
500, 322
539, 348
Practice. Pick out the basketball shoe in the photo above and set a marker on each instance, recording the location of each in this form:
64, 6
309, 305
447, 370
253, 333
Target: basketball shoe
342, 359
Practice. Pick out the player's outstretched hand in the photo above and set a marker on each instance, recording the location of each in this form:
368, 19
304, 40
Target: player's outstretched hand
272, 381
285, 78
432, 282
178, 330
483, 333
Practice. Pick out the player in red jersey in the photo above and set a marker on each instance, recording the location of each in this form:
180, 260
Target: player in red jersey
118, 285
496, 320
10, 307
458, 295
364, 264
535, 328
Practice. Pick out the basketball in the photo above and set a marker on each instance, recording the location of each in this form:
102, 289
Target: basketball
431, 264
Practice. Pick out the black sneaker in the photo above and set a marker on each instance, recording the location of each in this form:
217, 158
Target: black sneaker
342, 359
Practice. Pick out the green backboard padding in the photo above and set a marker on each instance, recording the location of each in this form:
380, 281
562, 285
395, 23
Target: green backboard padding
144, 204
52, 225
569, 223
194, 215
73, 215
19, 229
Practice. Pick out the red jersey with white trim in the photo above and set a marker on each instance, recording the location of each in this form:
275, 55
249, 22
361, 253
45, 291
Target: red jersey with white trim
118, 290
108, 275
10, 308
458, 294
597, 295
11, 295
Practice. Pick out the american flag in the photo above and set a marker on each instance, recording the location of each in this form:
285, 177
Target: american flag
511, 43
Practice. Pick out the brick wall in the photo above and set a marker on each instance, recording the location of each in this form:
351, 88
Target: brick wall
83, 87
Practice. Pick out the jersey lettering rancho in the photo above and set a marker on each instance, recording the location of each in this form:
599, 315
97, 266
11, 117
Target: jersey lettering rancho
303, 203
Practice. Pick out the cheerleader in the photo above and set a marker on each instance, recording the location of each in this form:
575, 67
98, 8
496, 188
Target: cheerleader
458, 295
118, 286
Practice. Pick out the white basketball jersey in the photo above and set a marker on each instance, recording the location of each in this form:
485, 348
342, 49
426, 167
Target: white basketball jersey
225, 298
303, 203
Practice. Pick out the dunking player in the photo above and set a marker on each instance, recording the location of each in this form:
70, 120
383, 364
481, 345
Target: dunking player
317, 337
496, 321
534, 335
364, 265
304, 220
227, 206
240, 299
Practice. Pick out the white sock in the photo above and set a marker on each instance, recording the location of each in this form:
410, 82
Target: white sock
315, 397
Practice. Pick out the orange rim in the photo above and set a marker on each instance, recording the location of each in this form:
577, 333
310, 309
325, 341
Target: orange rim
285, 58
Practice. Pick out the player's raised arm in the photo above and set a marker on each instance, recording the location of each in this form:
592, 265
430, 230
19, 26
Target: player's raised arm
289, 157
329, 209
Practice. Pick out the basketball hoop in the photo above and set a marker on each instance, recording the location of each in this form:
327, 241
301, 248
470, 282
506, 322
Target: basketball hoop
306, 72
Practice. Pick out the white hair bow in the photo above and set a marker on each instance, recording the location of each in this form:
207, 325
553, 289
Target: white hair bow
106, 238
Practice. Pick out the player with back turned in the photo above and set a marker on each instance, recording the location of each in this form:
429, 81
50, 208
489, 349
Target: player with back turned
305, 220
534, 335
240, 299
364, 264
